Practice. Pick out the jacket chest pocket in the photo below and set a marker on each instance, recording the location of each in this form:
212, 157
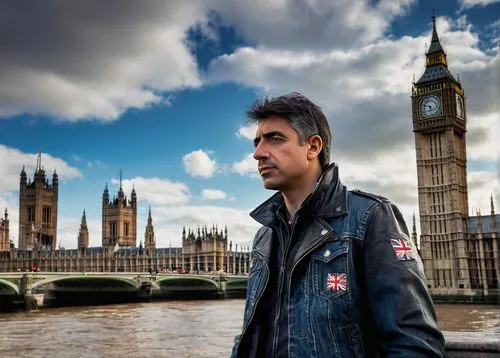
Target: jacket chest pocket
328, 268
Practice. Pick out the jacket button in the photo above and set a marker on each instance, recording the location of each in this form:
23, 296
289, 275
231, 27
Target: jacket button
327, 253
324, 231
338, 209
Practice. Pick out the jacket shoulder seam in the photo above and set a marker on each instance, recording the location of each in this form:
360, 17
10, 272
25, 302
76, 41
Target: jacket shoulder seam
378, 198
259, 235
368, 216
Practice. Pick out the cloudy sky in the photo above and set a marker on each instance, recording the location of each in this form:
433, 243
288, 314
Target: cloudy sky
159, 90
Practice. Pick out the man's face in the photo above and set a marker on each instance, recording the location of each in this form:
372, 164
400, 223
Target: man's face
282, 161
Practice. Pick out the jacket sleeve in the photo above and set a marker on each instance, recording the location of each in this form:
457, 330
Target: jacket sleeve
237, 339
397, 288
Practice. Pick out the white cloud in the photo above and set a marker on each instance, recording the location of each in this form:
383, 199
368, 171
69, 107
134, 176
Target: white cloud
246, 166
247, 131
313, 24
339, 78
101, 67
156, 190
169, 222
466, 4
13, 160
482, 137
199, 164
392, 173
213, 194
481, 185
68, 229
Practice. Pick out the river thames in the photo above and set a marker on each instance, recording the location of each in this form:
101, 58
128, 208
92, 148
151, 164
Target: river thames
163, 329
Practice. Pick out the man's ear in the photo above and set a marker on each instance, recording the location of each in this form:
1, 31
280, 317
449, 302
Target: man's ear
315, 144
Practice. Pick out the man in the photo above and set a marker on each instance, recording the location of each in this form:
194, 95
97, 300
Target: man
333, 271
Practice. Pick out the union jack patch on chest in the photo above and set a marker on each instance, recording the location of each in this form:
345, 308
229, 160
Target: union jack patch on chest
336, 281
402, 249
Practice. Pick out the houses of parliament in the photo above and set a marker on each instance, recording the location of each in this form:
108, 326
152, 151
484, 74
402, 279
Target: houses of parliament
460, 253
204, 250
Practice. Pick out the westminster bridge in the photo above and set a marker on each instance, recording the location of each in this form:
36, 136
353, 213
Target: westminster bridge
18, 289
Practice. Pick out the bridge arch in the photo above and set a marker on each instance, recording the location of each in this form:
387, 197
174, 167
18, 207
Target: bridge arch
10, 286
240, 283
196, 282
128, 281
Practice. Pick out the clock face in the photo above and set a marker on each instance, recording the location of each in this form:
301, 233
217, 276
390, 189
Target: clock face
430, 106
460, 105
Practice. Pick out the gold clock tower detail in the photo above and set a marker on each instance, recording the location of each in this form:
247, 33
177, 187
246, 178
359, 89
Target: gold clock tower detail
439, 124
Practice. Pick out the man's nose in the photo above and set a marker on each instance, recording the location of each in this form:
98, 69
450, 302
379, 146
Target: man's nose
260, 152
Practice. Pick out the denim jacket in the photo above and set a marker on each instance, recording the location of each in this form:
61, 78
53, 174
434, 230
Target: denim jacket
363, 292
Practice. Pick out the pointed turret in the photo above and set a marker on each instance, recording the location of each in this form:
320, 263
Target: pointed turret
134, 197
39, 161
149, 234
105, 194
121, 194
83, 234
414, 231
436, 65
55, 179
40, 171
435, 46
4, 233
23, 179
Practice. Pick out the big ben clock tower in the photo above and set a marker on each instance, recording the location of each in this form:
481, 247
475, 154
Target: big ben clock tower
439, 124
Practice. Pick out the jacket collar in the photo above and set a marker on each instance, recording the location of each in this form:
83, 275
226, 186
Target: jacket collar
328, 199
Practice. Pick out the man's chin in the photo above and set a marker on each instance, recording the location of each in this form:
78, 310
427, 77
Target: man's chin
271, 184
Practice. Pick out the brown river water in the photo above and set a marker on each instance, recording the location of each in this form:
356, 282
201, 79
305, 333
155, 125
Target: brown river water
163, 329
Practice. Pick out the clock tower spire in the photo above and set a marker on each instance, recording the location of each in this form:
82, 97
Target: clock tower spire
439, 125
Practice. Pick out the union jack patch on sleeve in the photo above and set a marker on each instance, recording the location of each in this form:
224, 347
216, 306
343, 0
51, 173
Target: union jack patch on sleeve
403, 249
336, 281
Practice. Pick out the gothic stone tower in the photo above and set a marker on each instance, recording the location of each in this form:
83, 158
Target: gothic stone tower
4, 233
149, 235
38, 209
83, 234
119, 219
439, 124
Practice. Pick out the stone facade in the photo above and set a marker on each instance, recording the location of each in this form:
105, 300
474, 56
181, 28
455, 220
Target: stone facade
205, 250
38, 209
452, 254
484, 249
97, 259
119, 219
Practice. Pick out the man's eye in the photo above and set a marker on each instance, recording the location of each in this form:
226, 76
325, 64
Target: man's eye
275, 139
